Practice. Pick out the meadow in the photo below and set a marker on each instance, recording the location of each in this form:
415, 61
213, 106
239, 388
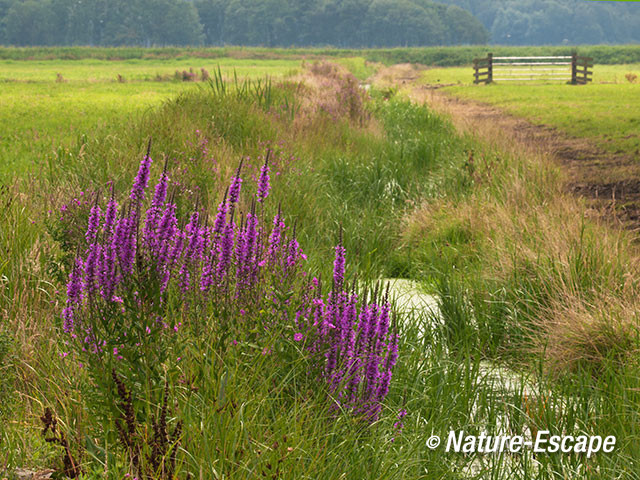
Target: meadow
535, 325
46, 104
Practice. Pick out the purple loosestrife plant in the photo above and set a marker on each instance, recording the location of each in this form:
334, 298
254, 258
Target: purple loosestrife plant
221, 215
140, 263
146, 274
338, 268
94, 223
359, 349
155, 211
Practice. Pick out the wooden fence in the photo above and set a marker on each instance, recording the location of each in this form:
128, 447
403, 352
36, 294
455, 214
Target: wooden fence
573, 69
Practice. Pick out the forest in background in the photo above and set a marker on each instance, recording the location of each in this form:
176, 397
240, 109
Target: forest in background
339, 23
343, 23
556, 22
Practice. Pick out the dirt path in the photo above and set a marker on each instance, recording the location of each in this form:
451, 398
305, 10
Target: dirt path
610, 182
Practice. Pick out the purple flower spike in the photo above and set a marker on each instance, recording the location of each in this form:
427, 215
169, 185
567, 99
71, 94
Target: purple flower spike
338, 267
206, 279
91, 268
234, 189
124, 242
142, 178
226, 249
107, 271
251, 237
263, 183
160, 193
221, 215
164, 235
110, 218
275, 238
94, 223
195, 240
74, 288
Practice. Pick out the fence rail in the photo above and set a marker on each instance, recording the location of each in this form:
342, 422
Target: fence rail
576, 71
530, 58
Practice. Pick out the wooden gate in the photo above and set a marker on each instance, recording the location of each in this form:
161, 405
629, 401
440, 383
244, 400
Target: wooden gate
573, 69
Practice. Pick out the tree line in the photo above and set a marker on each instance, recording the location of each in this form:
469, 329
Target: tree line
341, 23
556, 22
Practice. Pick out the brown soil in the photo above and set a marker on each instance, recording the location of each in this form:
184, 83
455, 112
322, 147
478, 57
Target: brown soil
610, 182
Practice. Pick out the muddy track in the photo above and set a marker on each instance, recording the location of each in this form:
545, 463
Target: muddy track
610, 182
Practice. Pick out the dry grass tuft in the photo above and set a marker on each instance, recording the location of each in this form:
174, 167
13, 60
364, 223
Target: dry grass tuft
587, 334
331, 89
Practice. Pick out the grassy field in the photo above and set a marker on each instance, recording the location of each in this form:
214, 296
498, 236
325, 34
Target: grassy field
605, 111
137, 70
163, 69
537, 324
41, 112
39, 119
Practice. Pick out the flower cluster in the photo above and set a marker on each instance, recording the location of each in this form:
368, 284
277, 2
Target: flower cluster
358, 346
141, 260
130, 252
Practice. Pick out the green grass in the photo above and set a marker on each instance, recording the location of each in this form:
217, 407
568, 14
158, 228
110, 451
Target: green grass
605, 111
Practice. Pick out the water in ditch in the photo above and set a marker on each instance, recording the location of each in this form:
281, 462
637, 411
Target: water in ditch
499, 383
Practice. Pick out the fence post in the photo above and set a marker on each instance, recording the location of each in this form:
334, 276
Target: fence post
574, 68
490, 67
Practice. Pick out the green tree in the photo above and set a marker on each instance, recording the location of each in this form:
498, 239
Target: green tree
339, 22
5, 5
393, 23
211, 14
149, 22
540, 22
259, 22
343, 23
29, 23
462, 28
510, 27
177, 24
